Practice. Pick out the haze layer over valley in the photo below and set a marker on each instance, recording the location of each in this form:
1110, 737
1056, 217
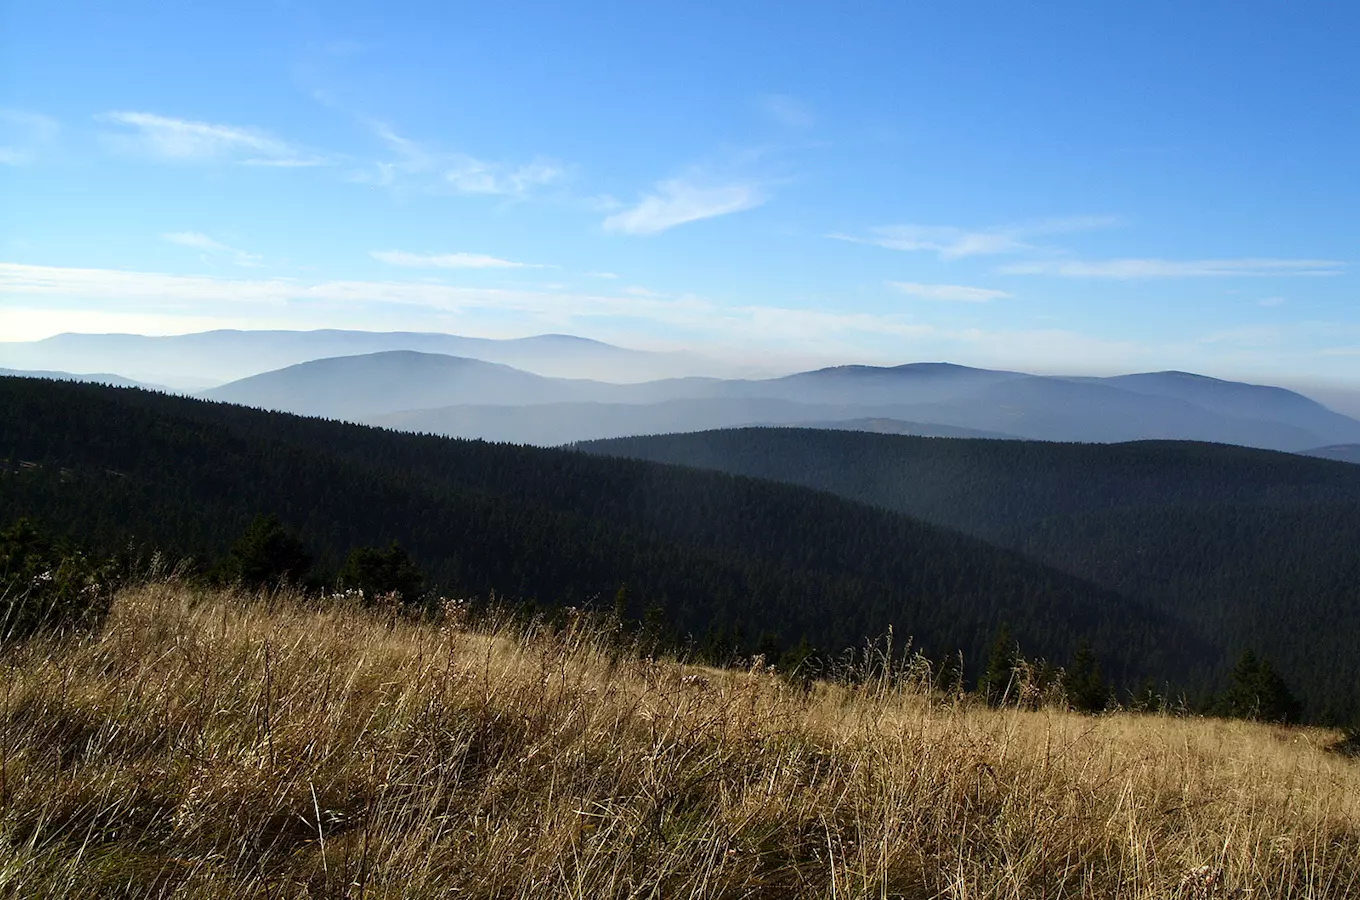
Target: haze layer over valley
529, 391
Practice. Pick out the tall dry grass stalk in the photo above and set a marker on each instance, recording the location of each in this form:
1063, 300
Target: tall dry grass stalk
217, 746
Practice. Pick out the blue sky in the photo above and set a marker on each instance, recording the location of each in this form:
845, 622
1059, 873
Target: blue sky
1089, 187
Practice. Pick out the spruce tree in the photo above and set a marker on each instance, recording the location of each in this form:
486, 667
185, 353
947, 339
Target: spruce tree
998, 679
267, 555
1259, 693
378, 573
1083, 683
949, 674
1278, 703
1146, 699
1242, 701
45, 586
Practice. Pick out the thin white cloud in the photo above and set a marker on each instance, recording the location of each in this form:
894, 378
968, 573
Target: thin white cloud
412, 157
953, 293
1127, 269
601, 275
151, 293
1339, 351
459, 172
472, 176
677, 201
448, 260
182, 140
951, 242
787, 111
1271, 301
199, 241
24, 136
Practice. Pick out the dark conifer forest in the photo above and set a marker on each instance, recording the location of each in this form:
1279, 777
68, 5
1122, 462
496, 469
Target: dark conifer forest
715, 559
1160, 563
1254, 549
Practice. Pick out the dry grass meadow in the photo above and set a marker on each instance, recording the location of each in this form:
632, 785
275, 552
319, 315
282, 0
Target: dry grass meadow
206, 745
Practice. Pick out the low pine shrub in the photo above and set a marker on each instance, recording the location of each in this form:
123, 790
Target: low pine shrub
45, 586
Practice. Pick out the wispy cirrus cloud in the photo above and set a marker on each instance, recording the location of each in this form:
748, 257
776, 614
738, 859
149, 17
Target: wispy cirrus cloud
157, 293
199, 241
449, 260
1127, 269
414, 161
24, 136
952, 293
951, 242
184, 140
469, 175
677, 201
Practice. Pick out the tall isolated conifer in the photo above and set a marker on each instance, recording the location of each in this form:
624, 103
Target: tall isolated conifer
998, 679
267, 555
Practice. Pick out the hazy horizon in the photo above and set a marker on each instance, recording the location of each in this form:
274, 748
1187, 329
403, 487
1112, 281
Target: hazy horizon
202, 369
719, 363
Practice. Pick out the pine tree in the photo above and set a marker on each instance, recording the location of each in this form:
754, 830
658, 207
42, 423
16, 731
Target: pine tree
47, 586
1278, 703
654, 631
1146, 699
1242, 701
1083, 683
1259, 693
949, 674
378, 573
997, 681
267, 555
800, 663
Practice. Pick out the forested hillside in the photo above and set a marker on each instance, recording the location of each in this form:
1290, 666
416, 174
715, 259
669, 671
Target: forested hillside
716, 555
987, 487
1259, 549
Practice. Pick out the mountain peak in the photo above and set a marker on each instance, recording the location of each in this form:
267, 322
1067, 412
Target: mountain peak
568, 339
1177, 374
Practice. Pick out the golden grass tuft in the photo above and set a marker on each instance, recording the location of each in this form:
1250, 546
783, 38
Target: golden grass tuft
218, 746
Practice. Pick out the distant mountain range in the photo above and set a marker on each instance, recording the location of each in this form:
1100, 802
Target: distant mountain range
533, 390
1340, 452
469, 398
553, 424
359, 387
93, 378
197, 361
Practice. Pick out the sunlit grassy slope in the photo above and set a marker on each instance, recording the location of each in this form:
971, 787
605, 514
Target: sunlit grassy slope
211, 745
